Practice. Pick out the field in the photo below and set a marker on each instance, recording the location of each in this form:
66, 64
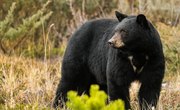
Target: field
29, 76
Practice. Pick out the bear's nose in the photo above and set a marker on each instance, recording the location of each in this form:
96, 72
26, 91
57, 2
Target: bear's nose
111, 42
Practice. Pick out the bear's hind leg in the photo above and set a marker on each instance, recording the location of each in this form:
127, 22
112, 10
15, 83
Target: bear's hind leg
75, 78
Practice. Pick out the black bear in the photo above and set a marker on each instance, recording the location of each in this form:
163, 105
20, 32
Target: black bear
113, 53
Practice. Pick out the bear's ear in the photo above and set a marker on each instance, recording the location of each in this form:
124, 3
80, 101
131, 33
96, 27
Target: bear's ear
120, 16
141, 20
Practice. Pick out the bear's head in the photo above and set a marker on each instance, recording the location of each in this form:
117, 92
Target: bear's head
132, 32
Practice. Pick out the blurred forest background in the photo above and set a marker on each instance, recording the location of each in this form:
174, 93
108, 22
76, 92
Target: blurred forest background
29, 26
34, 34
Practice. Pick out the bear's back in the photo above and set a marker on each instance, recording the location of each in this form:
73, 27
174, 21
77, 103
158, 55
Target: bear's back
88, 36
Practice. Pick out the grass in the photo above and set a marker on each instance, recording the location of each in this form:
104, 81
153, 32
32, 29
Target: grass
27, 83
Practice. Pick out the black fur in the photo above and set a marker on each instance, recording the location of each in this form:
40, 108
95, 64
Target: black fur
89, 59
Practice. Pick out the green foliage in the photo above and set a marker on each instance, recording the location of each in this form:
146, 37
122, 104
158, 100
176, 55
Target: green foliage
8, 20
12, 36
96, 101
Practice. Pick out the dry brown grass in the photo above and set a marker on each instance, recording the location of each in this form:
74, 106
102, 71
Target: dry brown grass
28, 81
31, 84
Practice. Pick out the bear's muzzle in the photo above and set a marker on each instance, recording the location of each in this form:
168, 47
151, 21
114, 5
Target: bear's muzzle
116, 41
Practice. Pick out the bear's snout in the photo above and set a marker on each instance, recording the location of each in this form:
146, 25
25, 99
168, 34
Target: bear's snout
111, 42
116, 41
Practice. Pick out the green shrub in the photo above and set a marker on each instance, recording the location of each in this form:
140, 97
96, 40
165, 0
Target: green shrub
96, 101
13, 35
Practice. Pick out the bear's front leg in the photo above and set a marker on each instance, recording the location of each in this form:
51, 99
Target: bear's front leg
119, 76
151, 80
148, 96
116, 91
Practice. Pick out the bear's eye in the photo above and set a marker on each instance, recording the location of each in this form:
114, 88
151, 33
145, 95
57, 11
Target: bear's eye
123, 33
122, 30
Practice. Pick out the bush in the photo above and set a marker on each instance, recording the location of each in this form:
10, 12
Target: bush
96, 101
12, 36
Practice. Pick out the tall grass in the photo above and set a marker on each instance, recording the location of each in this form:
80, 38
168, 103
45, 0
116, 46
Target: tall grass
27, 81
